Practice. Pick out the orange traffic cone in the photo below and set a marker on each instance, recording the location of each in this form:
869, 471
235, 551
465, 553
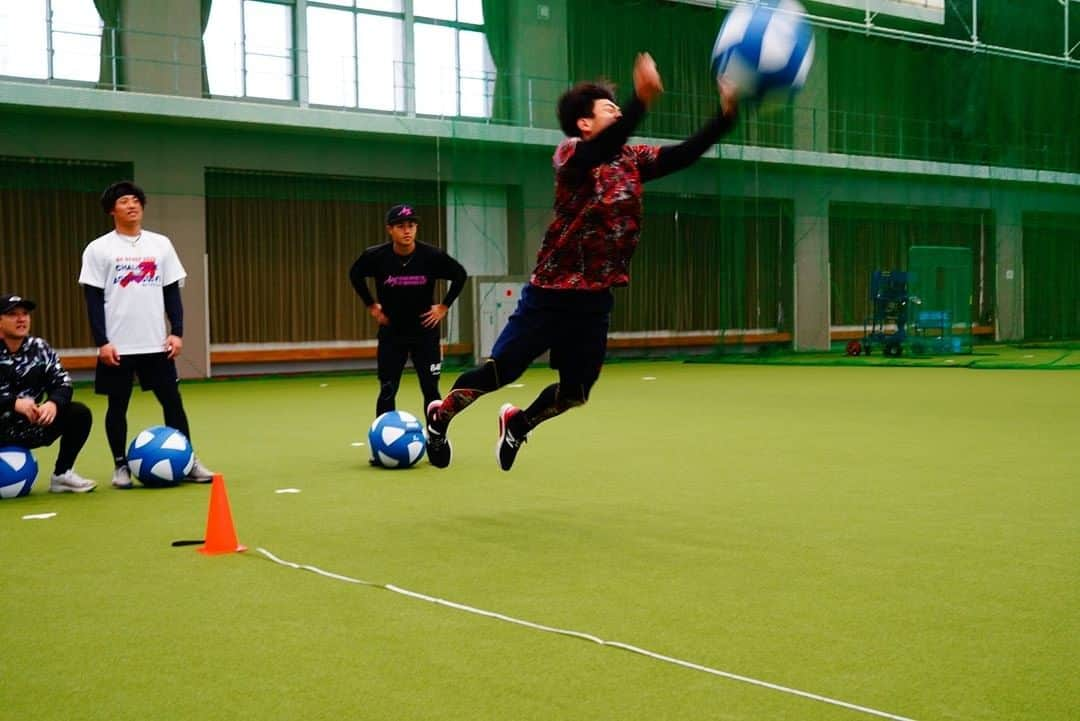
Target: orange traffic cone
220, 533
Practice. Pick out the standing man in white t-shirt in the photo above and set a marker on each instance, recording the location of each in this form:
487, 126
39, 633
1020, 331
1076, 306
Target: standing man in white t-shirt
131, 279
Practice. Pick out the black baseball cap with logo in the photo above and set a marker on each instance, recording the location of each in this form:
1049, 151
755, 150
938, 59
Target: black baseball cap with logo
401, 214
10, 301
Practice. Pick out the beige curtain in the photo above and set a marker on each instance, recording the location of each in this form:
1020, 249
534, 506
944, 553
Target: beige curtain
45, 222
280, 248
703, 265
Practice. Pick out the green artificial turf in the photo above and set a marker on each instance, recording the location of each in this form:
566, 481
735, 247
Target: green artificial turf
903, 539
1064, 356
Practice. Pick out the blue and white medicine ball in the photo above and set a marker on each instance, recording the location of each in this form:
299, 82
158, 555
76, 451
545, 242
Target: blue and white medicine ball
764, 50
397, 439
160, 456
18, 469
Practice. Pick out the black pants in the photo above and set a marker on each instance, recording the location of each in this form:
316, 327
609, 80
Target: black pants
427, 359
71, 426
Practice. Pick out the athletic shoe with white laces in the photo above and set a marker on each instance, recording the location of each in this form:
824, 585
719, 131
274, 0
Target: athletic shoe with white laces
70, 482
121, 478
199, 473
439, 450
509, 444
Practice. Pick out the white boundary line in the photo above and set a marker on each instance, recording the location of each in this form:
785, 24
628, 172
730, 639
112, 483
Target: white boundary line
590, 637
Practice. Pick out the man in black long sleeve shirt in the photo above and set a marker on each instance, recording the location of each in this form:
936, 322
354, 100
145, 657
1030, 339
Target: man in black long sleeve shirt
35, 397
405, 272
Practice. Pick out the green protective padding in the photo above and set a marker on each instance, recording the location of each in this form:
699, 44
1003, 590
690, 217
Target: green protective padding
1051, 276
939, 301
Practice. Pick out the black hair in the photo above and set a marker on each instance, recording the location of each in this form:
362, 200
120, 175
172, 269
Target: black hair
118, 190
577, 103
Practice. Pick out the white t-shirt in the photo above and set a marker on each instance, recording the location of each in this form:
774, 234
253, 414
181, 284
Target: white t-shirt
133, 272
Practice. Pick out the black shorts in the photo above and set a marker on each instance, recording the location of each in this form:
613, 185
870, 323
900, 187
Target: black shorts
572, 324
155, 370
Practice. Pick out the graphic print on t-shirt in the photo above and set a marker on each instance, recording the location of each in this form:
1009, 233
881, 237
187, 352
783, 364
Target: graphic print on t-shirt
405, 280
139, 270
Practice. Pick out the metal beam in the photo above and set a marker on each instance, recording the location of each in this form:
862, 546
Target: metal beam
867, 27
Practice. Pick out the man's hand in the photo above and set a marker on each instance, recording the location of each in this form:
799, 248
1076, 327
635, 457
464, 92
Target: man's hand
647, 83
729, 96
431, 318
27, 407
109, 355
173, 345
376, 312
46, 413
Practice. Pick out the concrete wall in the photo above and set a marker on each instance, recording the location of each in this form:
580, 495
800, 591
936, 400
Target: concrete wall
161, 45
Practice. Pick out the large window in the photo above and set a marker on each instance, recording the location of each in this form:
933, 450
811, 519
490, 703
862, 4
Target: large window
249, 49
430, 57
50, 39
361, 54
454, 71
356, 53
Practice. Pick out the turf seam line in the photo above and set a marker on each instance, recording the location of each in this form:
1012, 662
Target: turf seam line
589, 637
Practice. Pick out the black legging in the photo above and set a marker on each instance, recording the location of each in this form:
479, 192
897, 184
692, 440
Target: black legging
116, 417
553, 400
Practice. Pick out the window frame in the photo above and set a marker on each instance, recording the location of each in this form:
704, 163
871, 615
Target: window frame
50, 51
458, 27
408, 56
295, 86
300, 54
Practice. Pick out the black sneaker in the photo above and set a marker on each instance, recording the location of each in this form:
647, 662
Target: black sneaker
438, 445
509, 444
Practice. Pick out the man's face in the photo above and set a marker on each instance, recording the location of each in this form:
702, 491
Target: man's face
128, 210
403, 233
605, 113
15, 324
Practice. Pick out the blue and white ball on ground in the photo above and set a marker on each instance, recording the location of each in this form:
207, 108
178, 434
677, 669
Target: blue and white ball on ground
160, 456
765, 50
18, 470
397, 439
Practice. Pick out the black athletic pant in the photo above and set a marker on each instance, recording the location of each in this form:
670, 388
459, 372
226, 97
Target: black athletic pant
427, 359
71, 426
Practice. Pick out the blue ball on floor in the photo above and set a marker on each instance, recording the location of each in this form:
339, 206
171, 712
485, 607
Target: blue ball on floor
18, 471
160, 456
397, 440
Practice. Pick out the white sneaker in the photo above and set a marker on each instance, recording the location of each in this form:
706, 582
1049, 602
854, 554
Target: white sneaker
199, 473
70, 482
121, 478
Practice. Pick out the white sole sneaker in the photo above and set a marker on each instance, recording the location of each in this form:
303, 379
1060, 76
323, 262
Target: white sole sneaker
71, 489
70, 482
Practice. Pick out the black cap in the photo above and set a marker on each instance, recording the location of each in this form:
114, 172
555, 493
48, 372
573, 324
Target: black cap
10, 301
401, 214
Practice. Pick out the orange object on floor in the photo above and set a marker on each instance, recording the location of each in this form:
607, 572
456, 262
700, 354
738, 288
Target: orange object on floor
220, 532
